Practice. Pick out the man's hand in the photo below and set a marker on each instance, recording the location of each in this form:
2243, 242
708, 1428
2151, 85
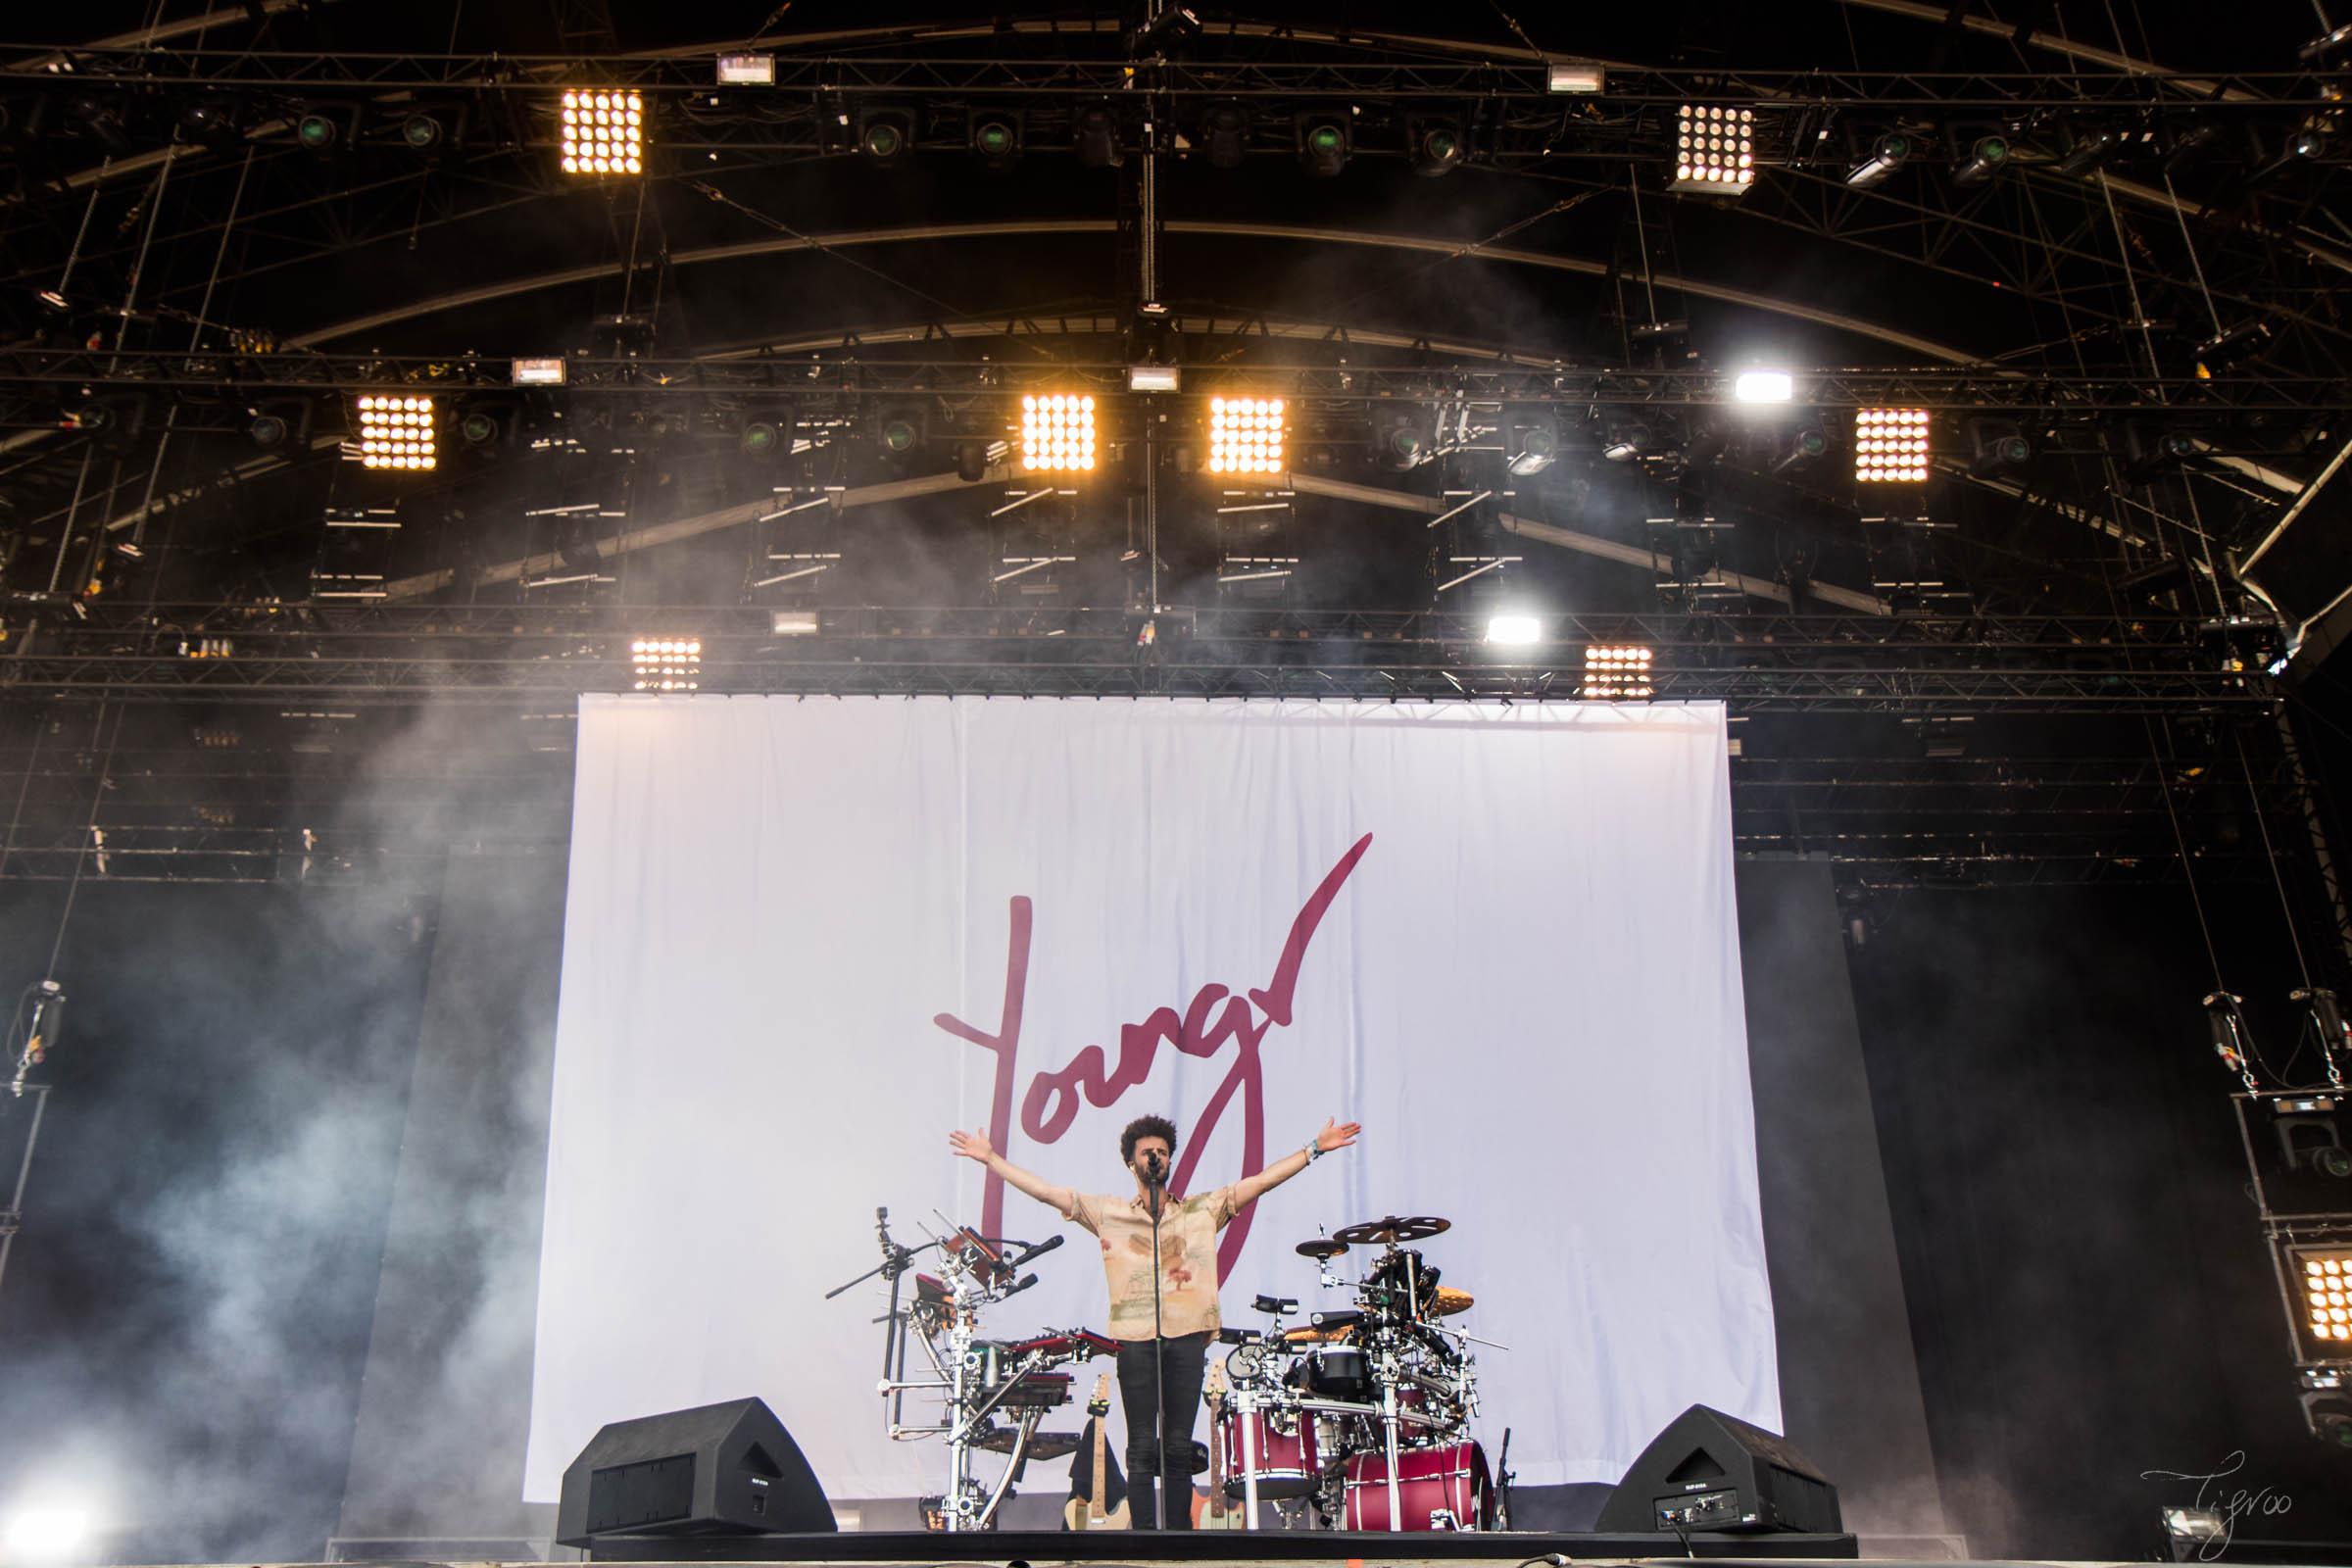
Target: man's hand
972, 1145
1335, 1134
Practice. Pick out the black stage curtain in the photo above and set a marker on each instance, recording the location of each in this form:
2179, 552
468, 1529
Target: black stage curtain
188, 1305
2089, 1295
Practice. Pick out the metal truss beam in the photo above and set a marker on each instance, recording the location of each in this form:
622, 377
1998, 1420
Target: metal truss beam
825, 379
229, 654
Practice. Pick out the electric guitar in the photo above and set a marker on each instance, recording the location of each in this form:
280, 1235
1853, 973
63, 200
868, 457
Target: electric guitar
1215, 1512
1088, 1513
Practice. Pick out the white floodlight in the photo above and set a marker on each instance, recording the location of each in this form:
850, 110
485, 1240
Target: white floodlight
548, 371
1574, 75
1514, 629
43, 1535
793, 623
1764, 387
747, 71
1153, 378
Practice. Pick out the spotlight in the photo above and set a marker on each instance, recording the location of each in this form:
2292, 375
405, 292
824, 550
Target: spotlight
971, 460
764, 438
2302, 147
1886, 155
267, 430
421, 132
886, 135
1437, 144
47, 1533
487, 423
1617, 672
666, 664
1986, 157
1999, 444
604, 131
1097, 137
1405, 439
1057, 433
1535, 445
1225, 134
1806, 445
114, 423
2326, 46
901, 428
2234, 347
1244, 435
1323, 143
2088, 150
2308, 1138
2322, 1279
1764, 387
996, 137
1515, 630
1626, 442
212, 122
1890, 446
1714, 149
317, 130
396, 430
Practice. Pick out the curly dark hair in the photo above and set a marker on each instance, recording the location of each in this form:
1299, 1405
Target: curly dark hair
1144, 1127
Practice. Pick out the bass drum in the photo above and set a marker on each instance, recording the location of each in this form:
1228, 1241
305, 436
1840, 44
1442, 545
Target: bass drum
1284, 1447
1441, 1487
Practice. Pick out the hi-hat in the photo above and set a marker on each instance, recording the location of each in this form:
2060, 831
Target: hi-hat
1392, 1230
1451, 1300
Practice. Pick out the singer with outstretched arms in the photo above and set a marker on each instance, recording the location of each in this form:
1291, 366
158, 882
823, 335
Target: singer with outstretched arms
1166, 1317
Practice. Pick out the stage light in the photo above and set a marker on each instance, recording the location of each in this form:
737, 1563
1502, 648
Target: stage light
1437, 144
2192, 1528
1057, 433
2327, 1292
1535, 445
1626, 442
1405, 439
761, 438
1986, 157
1764, 387
604, 131
1225, 133
1153, 378
996, 137
886, 135
747, 71
546, 371
1886, 155
793, 623
1714, 149
266, 431
421, 132
666, 664
1617, 672
2232, 347
1097, 137
396, 430
41, 1535
1803, 447
1890, 446
1245, 434
1514, 630
1574, 75
2089, 150
1322, 143
1997, 444
316, 133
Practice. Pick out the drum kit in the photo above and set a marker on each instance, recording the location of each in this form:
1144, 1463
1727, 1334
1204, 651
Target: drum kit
1359, 1418
1356, 1419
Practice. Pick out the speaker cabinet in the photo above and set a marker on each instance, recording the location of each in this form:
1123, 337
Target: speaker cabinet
718, 1470
1714, 1472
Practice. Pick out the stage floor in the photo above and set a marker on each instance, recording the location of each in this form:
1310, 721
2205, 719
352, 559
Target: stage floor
1034, 1547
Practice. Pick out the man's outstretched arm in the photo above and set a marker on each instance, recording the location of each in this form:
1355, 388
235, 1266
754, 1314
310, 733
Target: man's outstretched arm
1334, 1135
975, 1147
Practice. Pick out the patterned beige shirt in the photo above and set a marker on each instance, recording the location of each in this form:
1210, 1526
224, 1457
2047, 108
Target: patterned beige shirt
1188, 1258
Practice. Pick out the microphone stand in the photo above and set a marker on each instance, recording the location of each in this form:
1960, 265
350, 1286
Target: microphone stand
1156, 1193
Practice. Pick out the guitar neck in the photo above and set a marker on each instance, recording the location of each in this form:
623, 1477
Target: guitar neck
1097, 1507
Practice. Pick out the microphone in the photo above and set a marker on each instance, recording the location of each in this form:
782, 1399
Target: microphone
1151, 1171
1039, 1249
1027, 1279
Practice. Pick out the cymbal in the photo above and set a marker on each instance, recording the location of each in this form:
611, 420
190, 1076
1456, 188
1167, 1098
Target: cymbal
1451, 1300
1390, 1230
1329, 1334
1321, 1248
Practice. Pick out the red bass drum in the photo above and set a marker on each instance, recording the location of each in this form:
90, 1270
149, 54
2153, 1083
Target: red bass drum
1441, 1488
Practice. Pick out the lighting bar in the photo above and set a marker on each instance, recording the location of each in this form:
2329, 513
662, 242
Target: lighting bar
1057, 433
1154, 377
1244, 435
396, 430
604, 131
747, 71
1890, 446
548, 371
2326, 1284
1574, 75
1714, 149
1617, 672
666, 664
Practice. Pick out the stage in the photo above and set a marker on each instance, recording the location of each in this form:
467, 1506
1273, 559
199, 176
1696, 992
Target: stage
1034, 1547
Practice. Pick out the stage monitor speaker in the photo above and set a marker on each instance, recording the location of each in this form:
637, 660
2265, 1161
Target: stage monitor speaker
1710, 1471
718, 1470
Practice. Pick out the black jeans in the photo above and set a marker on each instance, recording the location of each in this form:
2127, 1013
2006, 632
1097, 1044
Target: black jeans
1183, 1363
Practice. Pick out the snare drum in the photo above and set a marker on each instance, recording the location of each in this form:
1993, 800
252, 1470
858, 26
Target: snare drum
1441, 1487
1283, 1444
1333, 1372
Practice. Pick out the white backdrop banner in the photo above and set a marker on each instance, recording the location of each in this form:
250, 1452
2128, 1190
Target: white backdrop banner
806, 939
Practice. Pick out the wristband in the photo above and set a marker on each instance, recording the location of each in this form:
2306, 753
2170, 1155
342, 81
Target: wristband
1314, 1150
